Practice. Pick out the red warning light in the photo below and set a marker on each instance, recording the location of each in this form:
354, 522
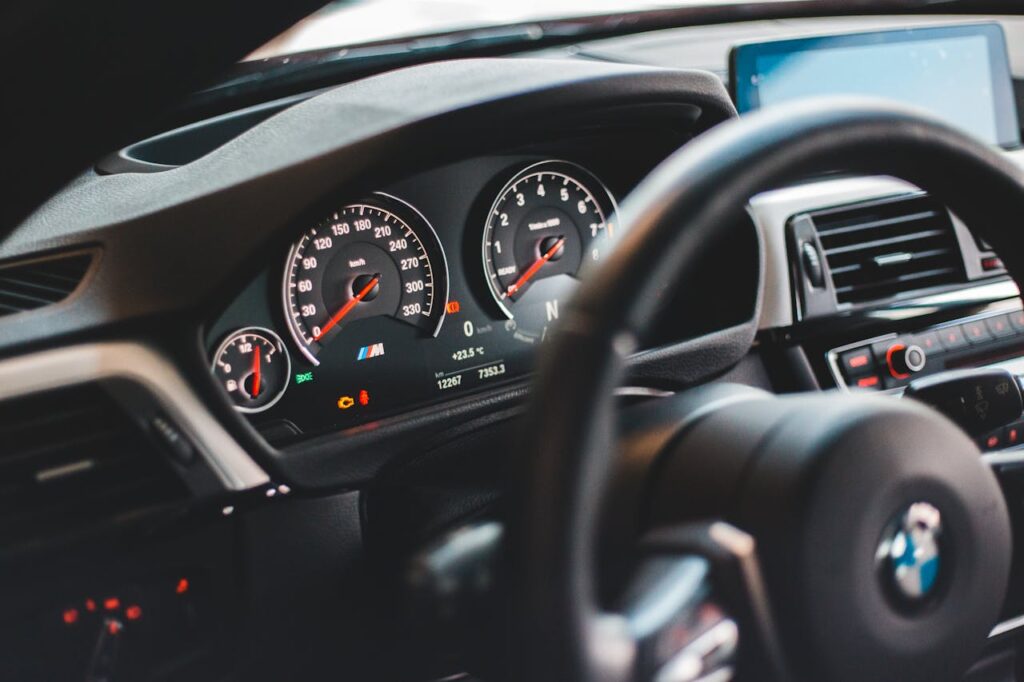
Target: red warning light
182, 587
111, 603
70, 616
364, 398
133, 612
113, 627
452, 307
90, 605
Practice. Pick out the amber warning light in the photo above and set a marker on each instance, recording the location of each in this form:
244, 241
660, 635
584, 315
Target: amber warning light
346, 402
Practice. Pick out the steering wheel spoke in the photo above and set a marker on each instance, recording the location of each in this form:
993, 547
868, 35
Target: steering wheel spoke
697, 587
680, 632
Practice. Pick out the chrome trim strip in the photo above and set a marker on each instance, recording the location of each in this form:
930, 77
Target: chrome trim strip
1006, 626
642, 392
143, 365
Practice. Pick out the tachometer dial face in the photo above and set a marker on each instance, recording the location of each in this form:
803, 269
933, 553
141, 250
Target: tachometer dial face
253, 366
547, 222
375, 258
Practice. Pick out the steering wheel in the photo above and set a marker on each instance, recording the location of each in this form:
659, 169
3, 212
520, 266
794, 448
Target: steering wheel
824, 536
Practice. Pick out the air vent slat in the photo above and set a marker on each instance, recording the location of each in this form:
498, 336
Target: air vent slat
72, 458
889, 241
872, 224
898, 280
17, 453
33, 284
51, 287
887, 249
914, 256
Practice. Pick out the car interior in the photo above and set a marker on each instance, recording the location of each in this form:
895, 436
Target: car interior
674, 342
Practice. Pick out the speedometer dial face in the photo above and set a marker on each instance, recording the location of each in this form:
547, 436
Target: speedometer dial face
546, 223
375, 258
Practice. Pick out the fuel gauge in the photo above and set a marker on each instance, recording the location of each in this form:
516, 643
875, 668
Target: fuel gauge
253, 367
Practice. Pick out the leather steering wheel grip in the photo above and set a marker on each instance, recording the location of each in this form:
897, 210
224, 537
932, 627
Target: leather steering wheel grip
668, 223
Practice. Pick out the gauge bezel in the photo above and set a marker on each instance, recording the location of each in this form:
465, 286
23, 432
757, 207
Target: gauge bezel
569, 169
369, 200
271, 336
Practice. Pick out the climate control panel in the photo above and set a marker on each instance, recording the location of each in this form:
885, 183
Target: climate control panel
889, 363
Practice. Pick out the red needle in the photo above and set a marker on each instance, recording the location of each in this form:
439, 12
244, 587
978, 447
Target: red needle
256, 372
347, 308
533, 269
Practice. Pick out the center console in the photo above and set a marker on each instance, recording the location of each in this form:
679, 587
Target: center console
889, 362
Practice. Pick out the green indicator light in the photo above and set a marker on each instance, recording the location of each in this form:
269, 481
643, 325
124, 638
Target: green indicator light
303, 378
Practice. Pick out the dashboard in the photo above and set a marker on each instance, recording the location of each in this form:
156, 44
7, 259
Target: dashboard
321, 314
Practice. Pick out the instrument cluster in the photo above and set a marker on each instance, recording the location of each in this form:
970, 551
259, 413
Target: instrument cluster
435, 287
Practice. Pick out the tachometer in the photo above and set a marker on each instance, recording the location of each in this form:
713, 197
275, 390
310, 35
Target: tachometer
378, 257
547, 221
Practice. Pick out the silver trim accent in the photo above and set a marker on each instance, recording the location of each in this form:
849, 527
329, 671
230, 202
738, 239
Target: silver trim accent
1006, 626
642, 392
141, 364
708, 658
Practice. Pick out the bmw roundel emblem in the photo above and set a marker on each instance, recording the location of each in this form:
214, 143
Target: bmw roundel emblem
910, 553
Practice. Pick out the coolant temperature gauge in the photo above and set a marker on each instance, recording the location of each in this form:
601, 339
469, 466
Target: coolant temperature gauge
253, 367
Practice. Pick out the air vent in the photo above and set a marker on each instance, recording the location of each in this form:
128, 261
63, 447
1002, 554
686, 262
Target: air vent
884, 249
31, 284
71, 458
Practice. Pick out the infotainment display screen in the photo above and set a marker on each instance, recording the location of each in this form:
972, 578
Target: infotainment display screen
960, 73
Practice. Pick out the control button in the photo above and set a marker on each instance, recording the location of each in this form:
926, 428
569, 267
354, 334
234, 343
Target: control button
993, 441
904, 360
1017, 320
174, 440
1013, 435
992, 263
952, 338
872, 383
999, 325
976, 332
812, 265
928, 341
857, 362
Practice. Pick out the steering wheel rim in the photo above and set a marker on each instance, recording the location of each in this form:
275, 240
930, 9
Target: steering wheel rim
669, 222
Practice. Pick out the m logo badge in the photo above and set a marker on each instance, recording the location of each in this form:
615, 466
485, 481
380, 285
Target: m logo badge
375, 350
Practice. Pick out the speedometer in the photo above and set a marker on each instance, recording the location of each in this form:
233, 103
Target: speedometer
375, 258
546, 223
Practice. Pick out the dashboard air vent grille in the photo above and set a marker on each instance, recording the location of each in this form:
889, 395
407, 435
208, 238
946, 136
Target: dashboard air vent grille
72, 457
31, 284
883, 249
